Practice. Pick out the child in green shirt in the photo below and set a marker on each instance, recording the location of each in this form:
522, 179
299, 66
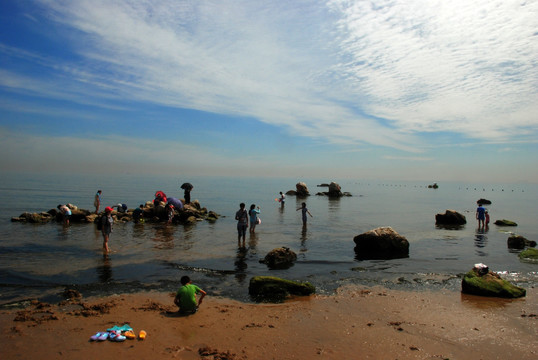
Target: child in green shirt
186, 296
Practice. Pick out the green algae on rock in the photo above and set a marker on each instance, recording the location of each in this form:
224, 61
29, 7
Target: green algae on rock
489, 284
505, 222
274, 289
529, 254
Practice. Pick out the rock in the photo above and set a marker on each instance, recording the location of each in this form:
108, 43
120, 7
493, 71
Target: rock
505, 222
302, 189
450, 217
279, 258
489, 284
433, 186
274, 289
483, 202
519, 242
381, 243
323, 185
529, 254
291, 192
335, 190
33, 218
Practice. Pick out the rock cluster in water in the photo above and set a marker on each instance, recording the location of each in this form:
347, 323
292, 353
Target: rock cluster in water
190, 214
335, 191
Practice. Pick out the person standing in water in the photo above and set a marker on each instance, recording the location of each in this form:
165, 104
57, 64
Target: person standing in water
97, 201
282, 198
242, 224
480, 215
106, 228
304, 211
253, 213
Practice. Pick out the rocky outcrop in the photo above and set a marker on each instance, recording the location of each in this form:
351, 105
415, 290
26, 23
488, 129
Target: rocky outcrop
381, 243
450, 217
301, 190
505, 222
279, 258
190, 214
489, 284
274, 289
433, 186
519, 242
335, 191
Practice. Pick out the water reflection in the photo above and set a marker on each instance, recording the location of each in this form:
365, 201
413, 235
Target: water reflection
104, 270
241, 264
138, 230
252, 242
304, 237
480, 241
164, 237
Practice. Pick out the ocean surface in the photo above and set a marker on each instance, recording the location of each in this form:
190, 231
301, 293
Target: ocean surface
41, 260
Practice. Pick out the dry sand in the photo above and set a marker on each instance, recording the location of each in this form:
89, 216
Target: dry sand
355, 323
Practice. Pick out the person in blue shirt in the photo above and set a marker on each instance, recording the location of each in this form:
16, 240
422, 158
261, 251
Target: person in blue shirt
480, 215
253, 213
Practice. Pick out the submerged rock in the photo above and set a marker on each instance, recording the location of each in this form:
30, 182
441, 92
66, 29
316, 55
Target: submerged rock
450, 217
381, 243
505, 222
274, 289
489, 284
279, 258
519, 242
529, 254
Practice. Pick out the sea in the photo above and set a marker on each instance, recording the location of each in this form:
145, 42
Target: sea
42, 260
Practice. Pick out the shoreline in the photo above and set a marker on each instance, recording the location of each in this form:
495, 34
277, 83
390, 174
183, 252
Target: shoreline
356, 321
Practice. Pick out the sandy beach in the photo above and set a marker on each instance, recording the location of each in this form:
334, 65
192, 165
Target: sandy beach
358, 323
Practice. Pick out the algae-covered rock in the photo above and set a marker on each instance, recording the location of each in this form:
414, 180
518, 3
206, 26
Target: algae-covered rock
274, 289
529, 254
505, 222
489, 284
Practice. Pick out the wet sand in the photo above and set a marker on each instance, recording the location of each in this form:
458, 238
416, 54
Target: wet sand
358, 323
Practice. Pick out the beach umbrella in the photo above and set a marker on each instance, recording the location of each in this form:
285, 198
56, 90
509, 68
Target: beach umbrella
187, 186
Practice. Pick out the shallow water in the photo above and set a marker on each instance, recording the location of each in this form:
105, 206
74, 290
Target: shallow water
41, 260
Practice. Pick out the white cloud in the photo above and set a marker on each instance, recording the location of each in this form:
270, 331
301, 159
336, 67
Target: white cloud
346, 71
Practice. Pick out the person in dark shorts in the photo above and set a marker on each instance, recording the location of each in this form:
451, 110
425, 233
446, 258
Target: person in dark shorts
242, 224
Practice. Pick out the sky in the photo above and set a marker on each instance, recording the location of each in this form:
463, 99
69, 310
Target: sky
426, 90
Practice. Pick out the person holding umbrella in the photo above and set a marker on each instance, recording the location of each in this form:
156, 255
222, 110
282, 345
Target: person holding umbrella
187, 187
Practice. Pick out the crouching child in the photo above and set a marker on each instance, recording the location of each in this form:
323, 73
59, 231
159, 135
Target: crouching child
186, 297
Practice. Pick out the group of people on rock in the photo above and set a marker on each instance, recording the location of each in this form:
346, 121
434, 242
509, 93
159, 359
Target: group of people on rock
106, 221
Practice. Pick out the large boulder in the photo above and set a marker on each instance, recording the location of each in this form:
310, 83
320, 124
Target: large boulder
504, 222
335, 190
450, 217
274, 289
301, 189
519, 242
489, 284
381, 243
279, 258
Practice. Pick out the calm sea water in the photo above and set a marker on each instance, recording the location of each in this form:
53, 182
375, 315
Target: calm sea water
42, 260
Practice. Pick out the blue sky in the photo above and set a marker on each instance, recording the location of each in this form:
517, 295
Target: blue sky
393, 90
